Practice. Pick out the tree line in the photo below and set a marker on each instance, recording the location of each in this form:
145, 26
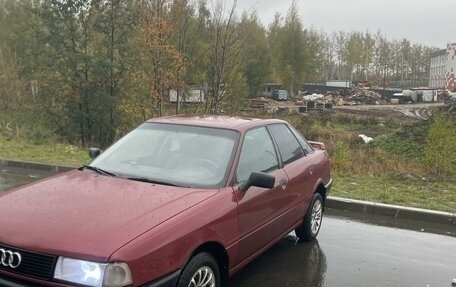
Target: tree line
91, 69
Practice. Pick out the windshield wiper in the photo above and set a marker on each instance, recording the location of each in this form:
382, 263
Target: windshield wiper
98, 170
148, 180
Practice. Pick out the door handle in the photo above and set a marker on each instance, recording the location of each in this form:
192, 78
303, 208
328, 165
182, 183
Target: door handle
311, 169
283, 183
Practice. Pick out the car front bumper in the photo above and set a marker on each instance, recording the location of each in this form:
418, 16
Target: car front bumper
12, 282
167, 281
328, 187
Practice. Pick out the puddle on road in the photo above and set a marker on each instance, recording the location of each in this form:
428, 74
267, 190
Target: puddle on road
288, 263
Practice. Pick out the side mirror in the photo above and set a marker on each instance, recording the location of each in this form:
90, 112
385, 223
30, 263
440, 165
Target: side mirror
94, 152
259, 179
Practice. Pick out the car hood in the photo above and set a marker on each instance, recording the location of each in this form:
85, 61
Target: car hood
85, 214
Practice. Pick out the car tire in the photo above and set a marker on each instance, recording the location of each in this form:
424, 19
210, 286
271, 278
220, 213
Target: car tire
201, 271
311, 224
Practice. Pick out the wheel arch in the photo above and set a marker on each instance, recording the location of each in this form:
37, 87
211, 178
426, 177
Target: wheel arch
220, 254
321, 189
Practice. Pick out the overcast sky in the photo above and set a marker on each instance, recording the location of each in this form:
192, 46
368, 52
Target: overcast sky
428, 22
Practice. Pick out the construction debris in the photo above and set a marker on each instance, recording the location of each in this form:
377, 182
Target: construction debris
352, 97
307, 101
262, 103
365, 138
313, 97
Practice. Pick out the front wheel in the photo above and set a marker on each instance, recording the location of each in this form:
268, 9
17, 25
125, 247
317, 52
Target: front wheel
201, 271
310, 227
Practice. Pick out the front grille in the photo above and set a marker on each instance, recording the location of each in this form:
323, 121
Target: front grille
33, 264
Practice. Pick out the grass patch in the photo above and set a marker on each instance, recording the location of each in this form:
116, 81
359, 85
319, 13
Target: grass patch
398, 144
413, 192
390, 170
53, 153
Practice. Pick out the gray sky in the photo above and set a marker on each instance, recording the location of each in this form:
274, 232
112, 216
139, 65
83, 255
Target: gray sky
428, 22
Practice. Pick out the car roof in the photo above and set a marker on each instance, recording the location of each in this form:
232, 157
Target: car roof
215, 121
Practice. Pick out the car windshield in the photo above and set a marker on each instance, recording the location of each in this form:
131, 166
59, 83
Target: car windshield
172, 154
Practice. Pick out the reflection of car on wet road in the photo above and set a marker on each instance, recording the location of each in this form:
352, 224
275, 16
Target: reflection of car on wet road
285, 264
177, 202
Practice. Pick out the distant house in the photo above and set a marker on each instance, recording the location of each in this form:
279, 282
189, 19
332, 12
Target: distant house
339, 84
193, 95
424, 95
268, 88
443, 68
419, 95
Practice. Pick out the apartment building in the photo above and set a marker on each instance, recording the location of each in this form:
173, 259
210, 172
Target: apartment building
443, 68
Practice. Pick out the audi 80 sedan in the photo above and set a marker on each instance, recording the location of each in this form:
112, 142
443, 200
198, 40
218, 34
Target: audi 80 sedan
179, 201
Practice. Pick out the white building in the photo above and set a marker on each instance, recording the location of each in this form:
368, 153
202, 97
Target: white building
193, 95
443, 68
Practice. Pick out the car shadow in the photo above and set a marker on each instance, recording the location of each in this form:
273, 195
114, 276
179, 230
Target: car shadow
287, 263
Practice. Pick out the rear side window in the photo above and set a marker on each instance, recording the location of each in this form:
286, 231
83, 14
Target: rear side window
258, 154
304, 144
288, 146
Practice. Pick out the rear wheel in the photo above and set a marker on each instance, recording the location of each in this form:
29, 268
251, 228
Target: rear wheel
310, 227
201, 271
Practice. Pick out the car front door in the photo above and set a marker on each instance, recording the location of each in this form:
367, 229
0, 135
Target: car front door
260, 210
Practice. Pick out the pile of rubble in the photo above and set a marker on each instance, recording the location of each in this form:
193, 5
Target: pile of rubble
448, 97
262, 103
347, 97
306, 101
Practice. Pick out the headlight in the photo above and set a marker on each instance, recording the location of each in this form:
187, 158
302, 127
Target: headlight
92, 274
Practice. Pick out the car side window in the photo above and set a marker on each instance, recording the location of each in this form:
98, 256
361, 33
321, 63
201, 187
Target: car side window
288, 146
258, 154
304, 144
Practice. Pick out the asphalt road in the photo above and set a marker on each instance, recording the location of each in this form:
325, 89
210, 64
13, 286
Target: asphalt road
352, 253
352, 250
11, 177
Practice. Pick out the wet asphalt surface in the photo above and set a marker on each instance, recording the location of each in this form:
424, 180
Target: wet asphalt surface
11, 177
352, 250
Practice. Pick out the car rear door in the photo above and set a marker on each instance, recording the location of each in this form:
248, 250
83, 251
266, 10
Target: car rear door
298, 165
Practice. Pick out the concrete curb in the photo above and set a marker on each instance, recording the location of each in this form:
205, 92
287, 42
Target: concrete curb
35, 165
367, 207
395, 211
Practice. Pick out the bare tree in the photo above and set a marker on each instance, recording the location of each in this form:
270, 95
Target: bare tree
226, 59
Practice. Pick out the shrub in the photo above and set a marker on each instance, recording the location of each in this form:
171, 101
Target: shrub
440, 151
341, 158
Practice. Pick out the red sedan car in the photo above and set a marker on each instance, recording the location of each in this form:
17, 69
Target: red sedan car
179, 201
